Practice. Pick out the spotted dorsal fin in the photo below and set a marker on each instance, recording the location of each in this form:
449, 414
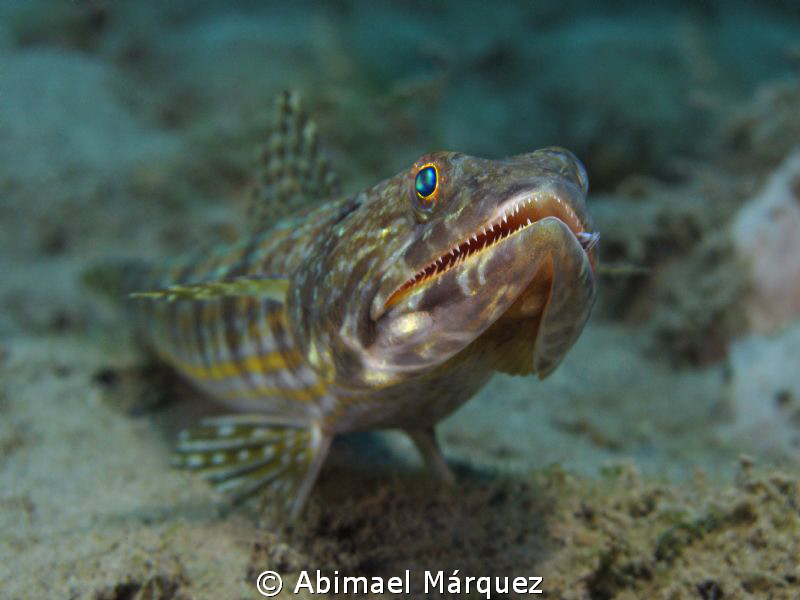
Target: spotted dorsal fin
293, 171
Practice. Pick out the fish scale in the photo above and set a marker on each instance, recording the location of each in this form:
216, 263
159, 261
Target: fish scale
390, 307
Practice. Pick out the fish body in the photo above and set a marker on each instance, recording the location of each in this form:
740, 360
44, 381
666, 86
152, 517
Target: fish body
390, 307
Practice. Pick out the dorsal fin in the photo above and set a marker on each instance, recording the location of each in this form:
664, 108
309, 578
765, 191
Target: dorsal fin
293, 171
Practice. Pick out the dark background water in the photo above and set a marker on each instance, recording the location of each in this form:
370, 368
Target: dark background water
630, 88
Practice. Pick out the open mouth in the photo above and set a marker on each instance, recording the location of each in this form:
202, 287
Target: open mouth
515, 216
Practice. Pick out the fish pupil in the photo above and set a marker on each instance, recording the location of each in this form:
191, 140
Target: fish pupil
425, 182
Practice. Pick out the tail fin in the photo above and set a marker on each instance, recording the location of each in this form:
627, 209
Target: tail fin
244, 454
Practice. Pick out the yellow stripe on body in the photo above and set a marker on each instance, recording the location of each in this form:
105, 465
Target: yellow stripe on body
205, 356
198, 343
260, 364
308, 393
188, 345
263, 365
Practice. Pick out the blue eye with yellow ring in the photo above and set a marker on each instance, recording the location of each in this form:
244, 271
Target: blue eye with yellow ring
425, 182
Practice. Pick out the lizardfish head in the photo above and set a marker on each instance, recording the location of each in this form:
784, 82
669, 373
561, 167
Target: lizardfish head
455, 251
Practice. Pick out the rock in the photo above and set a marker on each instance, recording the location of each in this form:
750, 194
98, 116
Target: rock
766, 234
764, 392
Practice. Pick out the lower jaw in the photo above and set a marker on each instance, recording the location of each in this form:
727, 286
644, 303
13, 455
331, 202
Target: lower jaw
533, 299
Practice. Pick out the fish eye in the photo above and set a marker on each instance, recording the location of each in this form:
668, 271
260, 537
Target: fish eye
425, 182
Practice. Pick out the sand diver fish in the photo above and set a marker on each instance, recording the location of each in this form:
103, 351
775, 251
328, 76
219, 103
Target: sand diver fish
388, 308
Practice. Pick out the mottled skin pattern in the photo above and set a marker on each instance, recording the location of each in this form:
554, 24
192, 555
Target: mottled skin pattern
412, 363
358, 342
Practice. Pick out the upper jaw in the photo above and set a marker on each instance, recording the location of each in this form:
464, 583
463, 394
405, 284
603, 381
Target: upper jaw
442, 316
559, 199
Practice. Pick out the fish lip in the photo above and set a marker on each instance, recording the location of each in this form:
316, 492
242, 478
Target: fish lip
551, 200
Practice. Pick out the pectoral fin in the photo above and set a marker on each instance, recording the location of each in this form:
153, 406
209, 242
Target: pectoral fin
245, 454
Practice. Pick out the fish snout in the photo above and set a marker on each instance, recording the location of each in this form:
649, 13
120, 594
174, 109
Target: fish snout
563, 163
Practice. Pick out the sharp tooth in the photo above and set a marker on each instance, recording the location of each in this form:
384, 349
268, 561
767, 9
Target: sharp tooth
529, 221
